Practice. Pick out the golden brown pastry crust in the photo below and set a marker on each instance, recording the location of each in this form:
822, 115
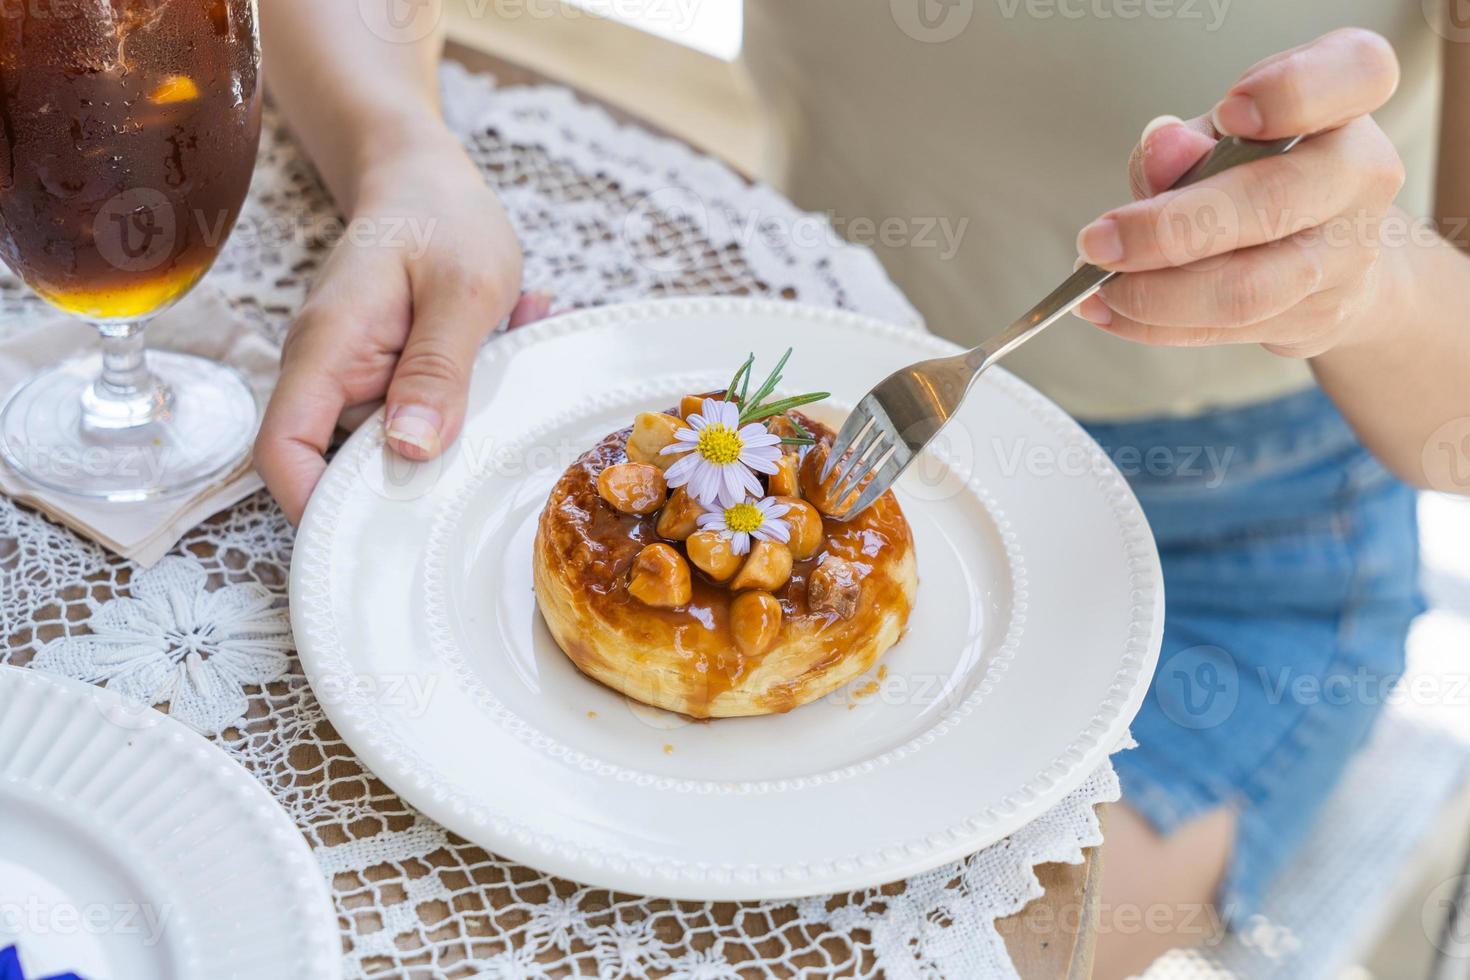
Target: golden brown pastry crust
686, 659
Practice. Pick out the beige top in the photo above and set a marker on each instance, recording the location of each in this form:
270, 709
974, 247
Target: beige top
993, 130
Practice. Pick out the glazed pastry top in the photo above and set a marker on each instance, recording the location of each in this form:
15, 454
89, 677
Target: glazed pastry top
597, 547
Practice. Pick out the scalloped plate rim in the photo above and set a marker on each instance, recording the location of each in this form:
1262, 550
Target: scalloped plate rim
699, 881
313, 920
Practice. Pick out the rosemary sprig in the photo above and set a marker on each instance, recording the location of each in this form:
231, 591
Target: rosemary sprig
762, 412
755, 408
773, 379
802, 437
735, 382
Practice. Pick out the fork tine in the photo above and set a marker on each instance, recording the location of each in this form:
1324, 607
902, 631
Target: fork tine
853, 431
880, 450
854, 456
877, 466
866, 499
858, 465
882, 481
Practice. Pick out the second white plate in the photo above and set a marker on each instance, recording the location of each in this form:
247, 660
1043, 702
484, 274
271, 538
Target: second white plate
131, 848
1036, 629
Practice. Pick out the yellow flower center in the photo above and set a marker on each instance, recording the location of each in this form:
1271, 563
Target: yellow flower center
744, 517
719, 444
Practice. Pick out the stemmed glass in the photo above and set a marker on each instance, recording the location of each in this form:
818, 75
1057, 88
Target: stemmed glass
128, 135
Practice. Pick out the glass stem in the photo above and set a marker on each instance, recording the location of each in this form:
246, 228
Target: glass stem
126, 395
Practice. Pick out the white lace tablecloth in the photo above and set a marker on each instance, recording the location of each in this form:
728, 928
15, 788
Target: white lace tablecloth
607, 213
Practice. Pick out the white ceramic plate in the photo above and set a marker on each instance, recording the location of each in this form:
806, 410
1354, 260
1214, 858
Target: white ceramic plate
130, 847
1037, 626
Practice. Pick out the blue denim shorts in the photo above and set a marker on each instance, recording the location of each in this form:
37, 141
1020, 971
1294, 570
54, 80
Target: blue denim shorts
1290, 563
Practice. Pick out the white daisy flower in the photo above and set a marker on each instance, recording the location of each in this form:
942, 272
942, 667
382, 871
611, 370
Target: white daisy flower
763, 519
723, 456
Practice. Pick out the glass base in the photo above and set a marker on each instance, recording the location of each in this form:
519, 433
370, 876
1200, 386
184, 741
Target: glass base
206, 421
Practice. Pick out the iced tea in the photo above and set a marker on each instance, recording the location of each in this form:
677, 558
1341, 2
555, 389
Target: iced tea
128, 132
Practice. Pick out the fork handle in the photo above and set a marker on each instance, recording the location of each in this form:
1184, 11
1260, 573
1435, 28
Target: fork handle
1232, 151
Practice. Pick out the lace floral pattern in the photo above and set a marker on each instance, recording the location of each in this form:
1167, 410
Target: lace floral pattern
172, 640
606, 214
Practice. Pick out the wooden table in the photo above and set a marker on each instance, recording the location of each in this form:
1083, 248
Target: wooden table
1052, 938
1055, 936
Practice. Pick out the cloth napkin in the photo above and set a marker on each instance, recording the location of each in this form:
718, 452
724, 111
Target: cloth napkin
144, 532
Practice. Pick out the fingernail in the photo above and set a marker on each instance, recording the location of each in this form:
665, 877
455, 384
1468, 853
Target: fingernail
1239, 115
1156, 124
417, 428
1095, 311
1101, 242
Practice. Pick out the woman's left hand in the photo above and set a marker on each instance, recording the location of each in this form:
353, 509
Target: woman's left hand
1283, 252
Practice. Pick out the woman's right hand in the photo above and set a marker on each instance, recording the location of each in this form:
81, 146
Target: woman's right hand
1284, 252
397, 313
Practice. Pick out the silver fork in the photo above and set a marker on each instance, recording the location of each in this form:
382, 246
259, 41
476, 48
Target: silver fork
899, 417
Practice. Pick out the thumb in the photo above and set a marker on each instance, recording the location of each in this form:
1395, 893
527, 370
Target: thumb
426, 398
1167, 149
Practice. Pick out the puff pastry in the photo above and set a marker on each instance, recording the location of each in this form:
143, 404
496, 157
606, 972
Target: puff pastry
726, 651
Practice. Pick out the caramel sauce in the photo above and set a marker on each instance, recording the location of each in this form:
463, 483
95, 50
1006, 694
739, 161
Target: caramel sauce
594, 546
